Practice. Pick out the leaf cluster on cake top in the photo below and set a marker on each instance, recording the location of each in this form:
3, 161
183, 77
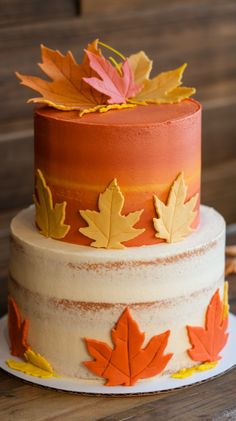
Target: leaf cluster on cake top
101, 84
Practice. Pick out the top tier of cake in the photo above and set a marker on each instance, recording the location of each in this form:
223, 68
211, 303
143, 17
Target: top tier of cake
144, 148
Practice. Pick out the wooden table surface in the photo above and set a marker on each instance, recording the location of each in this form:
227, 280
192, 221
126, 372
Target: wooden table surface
213, 400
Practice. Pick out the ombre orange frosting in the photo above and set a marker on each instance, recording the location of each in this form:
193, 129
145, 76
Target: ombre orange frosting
145, 148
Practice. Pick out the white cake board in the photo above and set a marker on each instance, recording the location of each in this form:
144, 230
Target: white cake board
146, 387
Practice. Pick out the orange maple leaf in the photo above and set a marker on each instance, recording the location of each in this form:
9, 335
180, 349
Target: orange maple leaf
67, 89
127, 362
209, 341
18, 329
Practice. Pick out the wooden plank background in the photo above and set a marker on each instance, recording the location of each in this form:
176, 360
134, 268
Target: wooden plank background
201, 32
20, 12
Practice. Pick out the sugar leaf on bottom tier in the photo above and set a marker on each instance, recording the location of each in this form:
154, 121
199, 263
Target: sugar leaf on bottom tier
18, 329
35, 365
208, 341
128, 362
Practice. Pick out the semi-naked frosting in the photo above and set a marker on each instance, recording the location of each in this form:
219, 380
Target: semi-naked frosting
69, 292
144, 148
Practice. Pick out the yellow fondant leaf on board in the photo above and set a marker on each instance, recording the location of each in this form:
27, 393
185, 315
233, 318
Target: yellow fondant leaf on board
35, 365
38, 361
165, 88
28, 368
176, 217
108, 227
225, 301
141, 66
49, 219
187, 372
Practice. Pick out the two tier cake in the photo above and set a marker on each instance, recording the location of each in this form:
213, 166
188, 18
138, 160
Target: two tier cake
117, 272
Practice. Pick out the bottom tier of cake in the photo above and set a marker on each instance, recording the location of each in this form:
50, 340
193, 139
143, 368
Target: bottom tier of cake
69, 293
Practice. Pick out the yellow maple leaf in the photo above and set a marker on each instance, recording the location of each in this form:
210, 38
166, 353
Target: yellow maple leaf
36, 365
187, 372
176, 217
164, 88
141, 66
66, 90
38, 360
49, 219
108, 227
105, 108
225, 301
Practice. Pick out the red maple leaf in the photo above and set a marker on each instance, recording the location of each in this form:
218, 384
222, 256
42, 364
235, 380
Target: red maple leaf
17, 329
209, 341
127, 362
119, 87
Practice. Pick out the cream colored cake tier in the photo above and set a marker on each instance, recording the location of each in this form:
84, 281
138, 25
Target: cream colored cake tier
69, 292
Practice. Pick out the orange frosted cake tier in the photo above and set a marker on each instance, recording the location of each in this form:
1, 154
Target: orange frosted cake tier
144, 148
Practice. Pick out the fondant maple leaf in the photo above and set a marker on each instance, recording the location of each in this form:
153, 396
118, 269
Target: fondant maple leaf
208, 341
141, 66
128, 362
118, 86
176, 217
49, 219
18, 329
67, 90
187, 372
164, 88
108, 227
35, 365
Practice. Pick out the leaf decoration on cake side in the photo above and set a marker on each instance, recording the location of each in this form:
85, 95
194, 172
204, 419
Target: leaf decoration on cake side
35, 365
226, 301
18, 329
165, 88
187, 372
49, 219
97, 82
128, 362
207, 342
107, 226
175, 218
118, 86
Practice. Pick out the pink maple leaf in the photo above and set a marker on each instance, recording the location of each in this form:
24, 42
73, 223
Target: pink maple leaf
119, 87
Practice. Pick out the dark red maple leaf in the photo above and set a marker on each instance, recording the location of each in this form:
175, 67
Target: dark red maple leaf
18, 329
